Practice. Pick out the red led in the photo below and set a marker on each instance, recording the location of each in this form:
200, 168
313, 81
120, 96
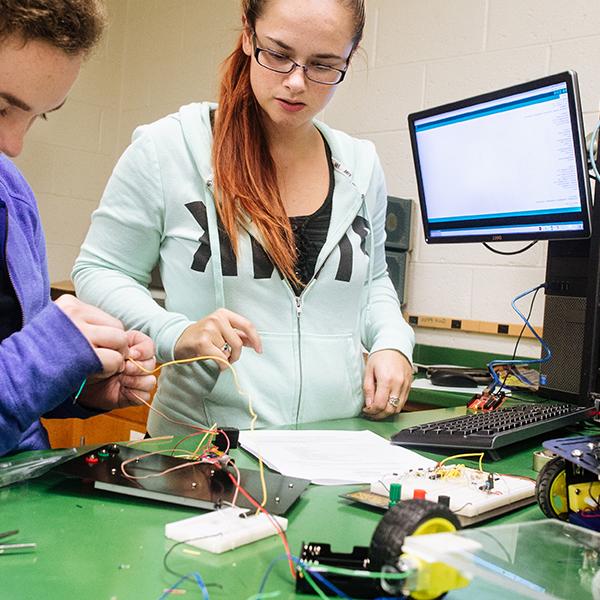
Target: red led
419, 494
92, 459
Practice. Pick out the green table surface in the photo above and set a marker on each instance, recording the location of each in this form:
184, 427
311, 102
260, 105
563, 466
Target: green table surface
98, 545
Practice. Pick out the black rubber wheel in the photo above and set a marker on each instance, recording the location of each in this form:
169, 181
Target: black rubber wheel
551, 489
403, 519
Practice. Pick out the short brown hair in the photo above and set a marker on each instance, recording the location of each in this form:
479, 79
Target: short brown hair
73, 26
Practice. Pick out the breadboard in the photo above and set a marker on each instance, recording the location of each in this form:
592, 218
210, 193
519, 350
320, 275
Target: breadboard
466, 488
223, 529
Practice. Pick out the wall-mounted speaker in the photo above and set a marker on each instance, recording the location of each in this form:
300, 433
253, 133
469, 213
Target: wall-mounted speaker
396, 262
397, 223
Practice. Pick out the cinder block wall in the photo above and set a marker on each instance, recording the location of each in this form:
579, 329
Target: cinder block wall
160, 54
68, 158
421, 53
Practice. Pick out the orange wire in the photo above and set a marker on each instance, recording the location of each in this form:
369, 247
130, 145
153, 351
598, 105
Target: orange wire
239, 389
236, 482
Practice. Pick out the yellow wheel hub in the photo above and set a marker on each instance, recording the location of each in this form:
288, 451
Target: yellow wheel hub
434, 525
558, 493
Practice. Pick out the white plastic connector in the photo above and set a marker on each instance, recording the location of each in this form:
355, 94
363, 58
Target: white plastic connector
224, 529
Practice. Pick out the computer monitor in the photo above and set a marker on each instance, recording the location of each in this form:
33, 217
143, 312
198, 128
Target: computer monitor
506, 165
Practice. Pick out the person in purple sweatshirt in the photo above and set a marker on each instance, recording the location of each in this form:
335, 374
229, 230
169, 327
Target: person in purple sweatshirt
48, 349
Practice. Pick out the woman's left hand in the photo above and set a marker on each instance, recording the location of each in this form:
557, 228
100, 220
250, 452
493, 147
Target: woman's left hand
388, 376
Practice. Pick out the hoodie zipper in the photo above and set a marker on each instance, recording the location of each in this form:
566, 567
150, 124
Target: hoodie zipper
298, 304
298, 300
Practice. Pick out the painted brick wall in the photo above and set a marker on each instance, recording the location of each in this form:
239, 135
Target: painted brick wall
421, 53
68, 159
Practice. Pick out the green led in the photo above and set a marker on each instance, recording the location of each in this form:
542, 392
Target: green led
395, 494
103, 453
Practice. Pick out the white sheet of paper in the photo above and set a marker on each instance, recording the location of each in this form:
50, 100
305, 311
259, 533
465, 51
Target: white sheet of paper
330, 457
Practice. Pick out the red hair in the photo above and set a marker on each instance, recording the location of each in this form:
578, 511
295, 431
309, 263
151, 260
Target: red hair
244, 171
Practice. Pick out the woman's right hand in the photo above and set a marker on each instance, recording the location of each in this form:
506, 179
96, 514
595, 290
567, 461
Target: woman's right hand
222, 333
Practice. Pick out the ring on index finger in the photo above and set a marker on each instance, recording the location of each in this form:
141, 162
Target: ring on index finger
394, 401
226, 348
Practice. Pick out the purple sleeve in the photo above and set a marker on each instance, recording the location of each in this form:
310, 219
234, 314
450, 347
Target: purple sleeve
40, 366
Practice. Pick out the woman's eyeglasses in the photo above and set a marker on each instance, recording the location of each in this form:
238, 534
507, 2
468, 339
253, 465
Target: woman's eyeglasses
280, 63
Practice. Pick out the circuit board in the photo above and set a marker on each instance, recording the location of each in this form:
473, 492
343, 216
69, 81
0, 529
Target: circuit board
473, 495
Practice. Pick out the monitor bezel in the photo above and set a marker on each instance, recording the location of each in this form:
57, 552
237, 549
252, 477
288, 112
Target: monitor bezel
576, 114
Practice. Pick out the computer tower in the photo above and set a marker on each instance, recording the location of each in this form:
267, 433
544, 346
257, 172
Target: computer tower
564, 318
572, 317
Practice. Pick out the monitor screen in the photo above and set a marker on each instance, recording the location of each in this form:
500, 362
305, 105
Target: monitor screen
507, 165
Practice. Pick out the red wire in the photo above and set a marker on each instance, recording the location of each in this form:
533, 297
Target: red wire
278, 528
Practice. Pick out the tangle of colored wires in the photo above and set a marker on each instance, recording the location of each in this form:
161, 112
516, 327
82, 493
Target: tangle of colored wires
311, 572
195, 576
203, 458
480, 455
526, 324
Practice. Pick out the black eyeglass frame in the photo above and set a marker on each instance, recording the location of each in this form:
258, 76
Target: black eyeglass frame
294, 64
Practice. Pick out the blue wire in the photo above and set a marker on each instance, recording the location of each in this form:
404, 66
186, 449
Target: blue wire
545, 347
201, 584
328, 584
270, 568
173, 587
194, 577
300, 563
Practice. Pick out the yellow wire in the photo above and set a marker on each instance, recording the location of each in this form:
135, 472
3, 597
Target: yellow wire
195, 453
480, 454
240, 391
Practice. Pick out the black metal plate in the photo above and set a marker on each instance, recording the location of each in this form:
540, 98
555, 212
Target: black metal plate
200, 485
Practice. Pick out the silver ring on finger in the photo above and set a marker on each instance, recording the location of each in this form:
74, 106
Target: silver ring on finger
394, 401
226, 348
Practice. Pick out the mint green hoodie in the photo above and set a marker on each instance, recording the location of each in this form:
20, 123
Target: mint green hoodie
158, 207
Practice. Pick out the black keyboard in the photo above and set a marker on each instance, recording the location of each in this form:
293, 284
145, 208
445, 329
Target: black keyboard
493, 429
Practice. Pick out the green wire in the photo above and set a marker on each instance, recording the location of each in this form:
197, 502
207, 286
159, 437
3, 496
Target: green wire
314, 586
305, 570
80, 390
353, 573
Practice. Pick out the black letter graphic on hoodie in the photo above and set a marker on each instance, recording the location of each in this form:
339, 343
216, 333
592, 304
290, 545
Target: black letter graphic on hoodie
203, 254
361, 227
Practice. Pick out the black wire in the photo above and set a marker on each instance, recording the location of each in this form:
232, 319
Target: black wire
514, 354
510, 253
592, 497
173, 572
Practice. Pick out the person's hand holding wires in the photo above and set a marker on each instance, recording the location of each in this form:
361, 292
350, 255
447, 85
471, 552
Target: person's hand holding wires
388, 376
131, 385
223, 334
105, 334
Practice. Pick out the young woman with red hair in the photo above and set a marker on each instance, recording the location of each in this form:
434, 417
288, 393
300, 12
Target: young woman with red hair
268, 227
